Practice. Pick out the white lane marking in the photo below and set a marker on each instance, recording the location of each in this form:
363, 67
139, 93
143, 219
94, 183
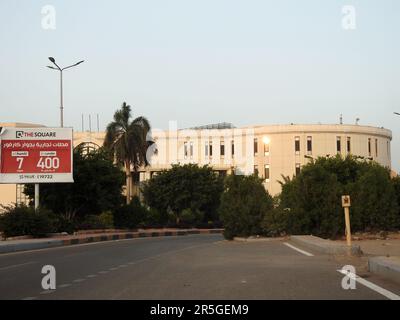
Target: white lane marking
17, 265
47, 291
113, 268
78, 280
370, 285
64, 285
122, 266
91, 276
103, 272
29, 298
298, 250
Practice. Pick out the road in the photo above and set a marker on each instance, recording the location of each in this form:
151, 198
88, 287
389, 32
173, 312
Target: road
185, 267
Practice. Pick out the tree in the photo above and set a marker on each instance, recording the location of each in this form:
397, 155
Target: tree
374, 204
244, 204
97, 187
311, 201
127, 141
185, 187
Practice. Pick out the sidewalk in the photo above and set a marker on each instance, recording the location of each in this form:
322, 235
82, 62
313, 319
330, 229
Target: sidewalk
7, 246
383, 255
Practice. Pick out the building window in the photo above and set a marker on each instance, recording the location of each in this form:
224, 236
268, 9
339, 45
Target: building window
376, 148
297, 145
185, 147
255, 146
369, 147
338, 144
298, 167
266, 172
348, 144
309, 145
211, 149
191, 149
222, 149
233, 148
256, 170
206, 149
266, 149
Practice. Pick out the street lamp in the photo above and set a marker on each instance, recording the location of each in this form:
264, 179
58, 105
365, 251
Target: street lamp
58, 68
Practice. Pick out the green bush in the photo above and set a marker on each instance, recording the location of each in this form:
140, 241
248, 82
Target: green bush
130, 216
276, 220
92, 222
310, 203
244, 204
183, 187
23, 220
374, 203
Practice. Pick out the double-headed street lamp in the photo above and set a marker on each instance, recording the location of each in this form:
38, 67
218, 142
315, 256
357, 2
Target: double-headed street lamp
58, 68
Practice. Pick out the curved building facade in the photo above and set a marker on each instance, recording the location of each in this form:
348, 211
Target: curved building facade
270, 151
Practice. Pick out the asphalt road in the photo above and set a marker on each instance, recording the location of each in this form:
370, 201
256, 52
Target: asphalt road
185, 267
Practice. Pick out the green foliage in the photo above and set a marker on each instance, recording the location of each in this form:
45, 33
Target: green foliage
23, 220
127, 141
183, 188
92, 222
244, 205
97, 187
374, 205
130, 216
310, 203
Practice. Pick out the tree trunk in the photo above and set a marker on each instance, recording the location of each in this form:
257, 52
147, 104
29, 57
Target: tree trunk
128, 182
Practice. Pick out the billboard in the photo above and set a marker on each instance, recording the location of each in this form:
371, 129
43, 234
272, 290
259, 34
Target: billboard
36, 155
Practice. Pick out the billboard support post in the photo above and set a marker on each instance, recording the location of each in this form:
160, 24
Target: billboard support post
36, 196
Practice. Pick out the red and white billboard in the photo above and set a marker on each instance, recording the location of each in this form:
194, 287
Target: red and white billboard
36, 155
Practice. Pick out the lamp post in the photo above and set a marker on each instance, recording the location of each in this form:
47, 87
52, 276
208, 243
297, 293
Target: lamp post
58, 68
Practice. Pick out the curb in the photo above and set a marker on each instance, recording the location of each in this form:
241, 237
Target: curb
44, 244
326, 246
388, 267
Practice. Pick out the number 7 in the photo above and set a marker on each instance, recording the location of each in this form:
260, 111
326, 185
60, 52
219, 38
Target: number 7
20, 161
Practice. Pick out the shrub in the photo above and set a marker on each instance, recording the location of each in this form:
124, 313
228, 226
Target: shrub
23, 220
129, 216
244, 204
312, 199
374, 204
276, 220
173, 191
102, 221
97, 186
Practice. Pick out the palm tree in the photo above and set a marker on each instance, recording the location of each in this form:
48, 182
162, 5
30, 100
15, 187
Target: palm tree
126, 140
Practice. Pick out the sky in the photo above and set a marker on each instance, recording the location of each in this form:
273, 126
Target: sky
201, 62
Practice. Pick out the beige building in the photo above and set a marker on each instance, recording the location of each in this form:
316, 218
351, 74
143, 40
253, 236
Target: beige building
270, 151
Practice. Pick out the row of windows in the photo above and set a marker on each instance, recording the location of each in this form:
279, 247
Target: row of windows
208, 151
266, 147
267, 171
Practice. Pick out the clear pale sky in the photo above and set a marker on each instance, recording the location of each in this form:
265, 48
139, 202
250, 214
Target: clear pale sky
200, 62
